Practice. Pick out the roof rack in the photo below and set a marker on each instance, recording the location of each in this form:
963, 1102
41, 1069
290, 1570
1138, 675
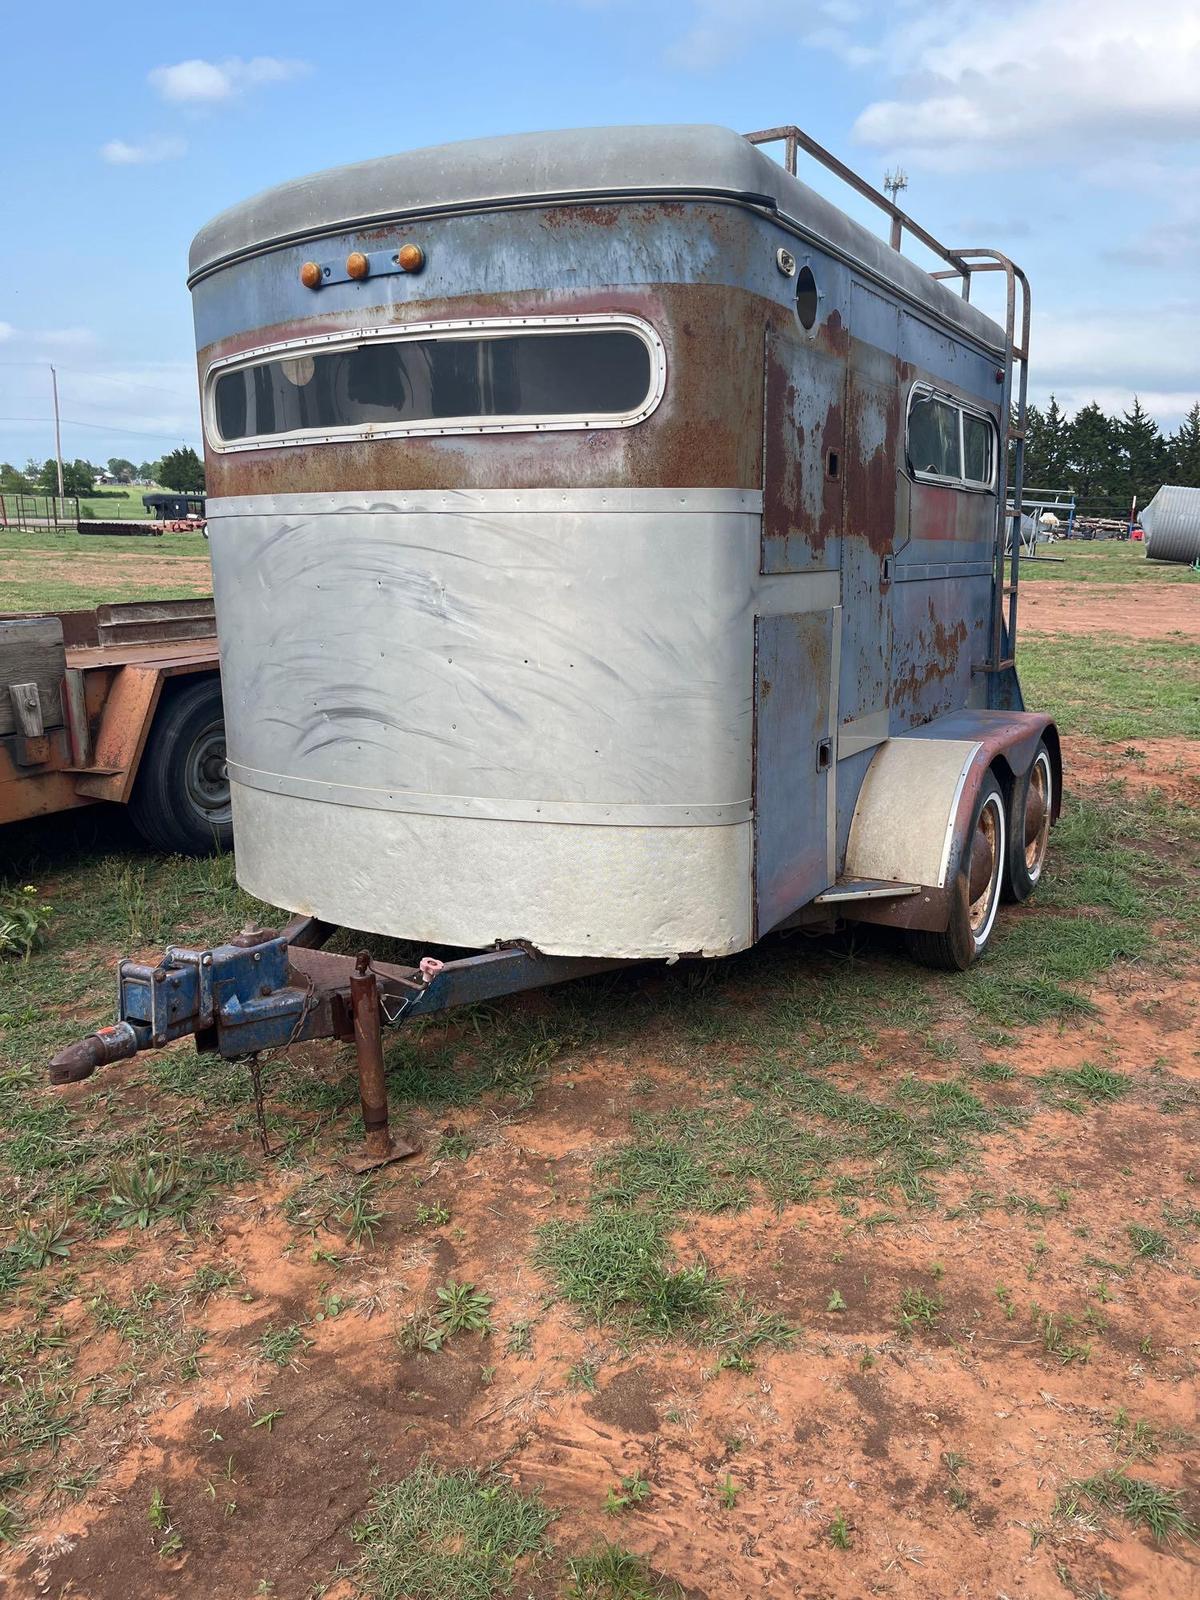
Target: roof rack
962, 264
795, 139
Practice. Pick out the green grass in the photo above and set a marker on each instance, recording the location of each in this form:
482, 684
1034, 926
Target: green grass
1144, 1504
45, 571
1104, 561
119, 502
448, 1536
610, 1572
1114, 689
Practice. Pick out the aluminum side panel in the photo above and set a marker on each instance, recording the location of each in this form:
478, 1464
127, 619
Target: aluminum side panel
572, 890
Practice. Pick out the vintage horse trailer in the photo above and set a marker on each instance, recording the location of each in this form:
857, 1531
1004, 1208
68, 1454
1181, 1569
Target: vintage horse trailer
608, 544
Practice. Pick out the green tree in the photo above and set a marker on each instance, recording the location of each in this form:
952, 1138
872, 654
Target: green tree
1092, 454
123, 471
79, 477
1185, 451
182, 470
1142, 455
149, 470
11, 480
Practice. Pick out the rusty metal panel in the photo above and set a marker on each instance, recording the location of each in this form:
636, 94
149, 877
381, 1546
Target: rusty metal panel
124, 725
155, 621
803, 456
871, 494
939, 629
793, 762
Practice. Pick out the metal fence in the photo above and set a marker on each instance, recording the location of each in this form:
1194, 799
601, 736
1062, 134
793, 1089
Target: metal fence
24, 512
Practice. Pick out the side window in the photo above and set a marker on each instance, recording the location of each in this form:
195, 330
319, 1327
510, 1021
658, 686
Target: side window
977, 449
948, 443
933, 438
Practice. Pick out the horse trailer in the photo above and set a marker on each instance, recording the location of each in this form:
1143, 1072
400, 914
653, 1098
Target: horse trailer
609, 543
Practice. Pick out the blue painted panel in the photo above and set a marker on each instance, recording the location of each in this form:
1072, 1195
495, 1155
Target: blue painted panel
793, 670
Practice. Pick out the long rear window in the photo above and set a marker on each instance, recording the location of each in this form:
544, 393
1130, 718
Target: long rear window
453, 381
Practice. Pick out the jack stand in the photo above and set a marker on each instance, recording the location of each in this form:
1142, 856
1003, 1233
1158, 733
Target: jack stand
381, 1147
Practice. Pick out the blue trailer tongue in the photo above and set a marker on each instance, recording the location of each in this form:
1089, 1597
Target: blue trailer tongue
267, 989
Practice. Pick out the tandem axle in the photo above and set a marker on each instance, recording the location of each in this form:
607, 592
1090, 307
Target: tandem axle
266, 989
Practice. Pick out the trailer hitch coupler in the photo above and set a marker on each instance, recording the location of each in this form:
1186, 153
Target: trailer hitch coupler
372, 1082
78, 1061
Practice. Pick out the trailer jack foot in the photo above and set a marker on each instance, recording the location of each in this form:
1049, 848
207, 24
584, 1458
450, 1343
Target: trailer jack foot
381, 1147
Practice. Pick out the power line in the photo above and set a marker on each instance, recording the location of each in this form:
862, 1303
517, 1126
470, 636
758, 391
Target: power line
100, 377
98, 427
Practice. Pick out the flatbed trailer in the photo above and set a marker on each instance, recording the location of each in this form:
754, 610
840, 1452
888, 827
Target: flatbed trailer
119, 704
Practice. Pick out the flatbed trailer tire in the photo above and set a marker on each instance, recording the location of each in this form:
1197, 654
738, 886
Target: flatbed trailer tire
180, 802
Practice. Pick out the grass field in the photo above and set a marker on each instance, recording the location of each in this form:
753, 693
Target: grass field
46, 571
1101, 561
804, 1272
117, 503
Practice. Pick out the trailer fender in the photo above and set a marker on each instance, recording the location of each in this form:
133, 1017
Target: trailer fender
917, 799
126, 719
121, 737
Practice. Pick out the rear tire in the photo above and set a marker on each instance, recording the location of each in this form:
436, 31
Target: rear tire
1029, 818
975, 893
181, 799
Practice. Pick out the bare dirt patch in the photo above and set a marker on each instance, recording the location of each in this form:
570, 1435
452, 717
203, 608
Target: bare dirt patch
1170, 765
1124, 611
959, 1359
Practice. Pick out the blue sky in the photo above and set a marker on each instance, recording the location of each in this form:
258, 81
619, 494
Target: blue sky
1065, 132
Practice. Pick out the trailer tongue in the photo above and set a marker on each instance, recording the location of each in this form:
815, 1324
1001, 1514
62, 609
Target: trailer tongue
268, 989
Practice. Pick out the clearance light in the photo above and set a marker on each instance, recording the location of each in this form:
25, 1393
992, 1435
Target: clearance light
357, 265
311, 275
410, 258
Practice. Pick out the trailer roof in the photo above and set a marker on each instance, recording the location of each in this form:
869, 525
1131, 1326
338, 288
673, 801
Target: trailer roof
527, 168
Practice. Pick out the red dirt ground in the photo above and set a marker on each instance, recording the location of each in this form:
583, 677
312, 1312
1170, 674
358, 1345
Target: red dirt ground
854, 1418
1130, 611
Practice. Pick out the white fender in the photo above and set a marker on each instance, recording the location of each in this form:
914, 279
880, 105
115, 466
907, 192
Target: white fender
904, 821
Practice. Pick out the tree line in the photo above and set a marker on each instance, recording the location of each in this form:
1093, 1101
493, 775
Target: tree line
181, 470
1109, 461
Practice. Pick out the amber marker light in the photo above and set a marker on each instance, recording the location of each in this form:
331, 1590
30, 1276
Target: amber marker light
357, 265
310, 275
410, 258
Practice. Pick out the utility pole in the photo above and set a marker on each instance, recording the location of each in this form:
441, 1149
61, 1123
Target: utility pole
57, 434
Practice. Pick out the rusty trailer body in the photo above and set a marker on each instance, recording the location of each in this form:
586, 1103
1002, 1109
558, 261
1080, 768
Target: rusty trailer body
608, 540
600, 659
119, 704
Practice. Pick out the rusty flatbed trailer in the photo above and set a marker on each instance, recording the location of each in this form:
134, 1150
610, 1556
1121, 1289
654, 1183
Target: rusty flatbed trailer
120, 704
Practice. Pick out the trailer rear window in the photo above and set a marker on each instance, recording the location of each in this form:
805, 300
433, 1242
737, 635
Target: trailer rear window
947, 443
450, 382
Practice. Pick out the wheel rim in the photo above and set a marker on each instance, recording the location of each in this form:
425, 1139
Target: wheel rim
983, 874
1038, 793
206, 776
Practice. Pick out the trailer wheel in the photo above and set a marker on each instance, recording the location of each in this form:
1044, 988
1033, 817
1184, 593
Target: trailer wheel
181, 799
976, 891
1030, 811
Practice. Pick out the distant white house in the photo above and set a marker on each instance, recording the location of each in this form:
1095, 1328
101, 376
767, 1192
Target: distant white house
102, 478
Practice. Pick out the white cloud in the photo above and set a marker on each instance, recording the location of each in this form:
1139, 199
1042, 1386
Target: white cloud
1057, 77
722, 30
120, 154
199, 82
6, 331
1109, 356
